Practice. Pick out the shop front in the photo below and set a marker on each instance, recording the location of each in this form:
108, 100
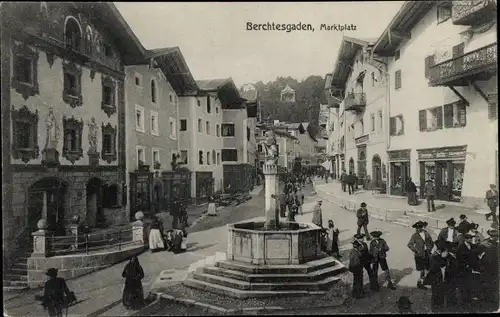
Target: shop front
445, 166
399, 164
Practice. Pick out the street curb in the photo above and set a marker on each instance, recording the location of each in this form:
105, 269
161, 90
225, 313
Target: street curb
104, 309
230, 311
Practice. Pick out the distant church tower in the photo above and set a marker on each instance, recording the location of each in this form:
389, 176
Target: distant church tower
288, 94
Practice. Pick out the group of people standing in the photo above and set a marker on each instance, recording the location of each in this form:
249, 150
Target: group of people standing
461, 266
175, 239
292, 198
349, 182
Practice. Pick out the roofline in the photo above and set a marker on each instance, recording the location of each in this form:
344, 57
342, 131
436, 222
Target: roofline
346, 39
125, 25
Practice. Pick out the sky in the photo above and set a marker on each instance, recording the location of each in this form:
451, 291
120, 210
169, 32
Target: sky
215, 42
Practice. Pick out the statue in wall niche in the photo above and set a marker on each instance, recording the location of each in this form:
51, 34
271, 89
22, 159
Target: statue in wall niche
93, 135
52, 130
270, 148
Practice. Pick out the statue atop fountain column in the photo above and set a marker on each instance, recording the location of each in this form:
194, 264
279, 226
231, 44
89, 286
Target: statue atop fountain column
271, 148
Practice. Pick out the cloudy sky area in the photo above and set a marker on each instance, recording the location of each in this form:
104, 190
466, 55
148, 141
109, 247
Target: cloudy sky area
215, 43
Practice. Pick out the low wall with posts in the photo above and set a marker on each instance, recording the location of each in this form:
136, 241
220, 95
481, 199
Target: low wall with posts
81, 254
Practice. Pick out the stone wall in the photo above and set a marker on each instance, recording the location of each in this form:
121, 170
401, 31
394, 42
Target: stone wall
71, 266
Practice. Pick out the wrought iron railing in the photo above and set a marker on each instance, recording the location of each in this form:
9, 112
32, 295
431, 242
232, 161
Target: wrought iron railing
467, 64
355, 100
90, 242
466, 11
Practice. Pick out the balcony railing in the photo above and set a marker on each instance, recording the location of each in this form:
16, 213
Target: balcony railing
471, 12
478, 64
355, 102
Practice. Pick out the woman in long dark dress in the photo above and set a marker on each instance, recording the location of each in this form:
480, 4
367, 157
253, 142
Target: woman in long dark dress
133, 292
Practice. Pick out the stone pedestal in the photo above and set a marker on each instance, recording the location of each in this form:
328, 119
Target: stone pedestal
74, 230
272, 190
93, 159
138, 228
41, 245
50, 157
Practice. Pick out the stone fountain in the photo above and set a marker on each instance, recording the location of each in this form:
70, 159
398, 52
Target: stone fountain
271, 257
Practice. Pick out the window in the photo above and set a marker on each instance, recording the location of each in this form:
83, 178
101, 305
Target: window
173, 128
25, 136
108, 52
138, 80
455, 115
372, 118
23, 69
443, 12
397, 79
229, 155
431, 119
217, 130
154, 123
214, 159
156, 159
72, 85
199, 125
139, 118
108, 152
209, 106
183, 125
216, 109
25, 74
72, 145
153, 91
380, 120
397, 55
207, 127
362, 126
200, 157
227, 130
248, 134
141, 155
208, 158
184, 156
198, 102
72, 34
396, 125
108, 96
171, 98
218, 158
373, 79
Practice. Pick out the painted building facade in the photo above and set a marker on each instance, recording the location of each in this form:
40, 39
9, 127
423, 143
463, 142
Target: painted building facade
443, 97
63, 116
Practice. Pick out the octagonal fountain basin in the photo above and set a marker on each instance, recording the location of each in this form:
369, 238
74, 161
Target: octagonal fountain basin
293, 243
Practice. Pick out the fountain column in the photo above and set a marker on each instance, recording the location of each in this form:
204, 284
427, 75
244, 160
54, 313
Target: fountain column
272, 188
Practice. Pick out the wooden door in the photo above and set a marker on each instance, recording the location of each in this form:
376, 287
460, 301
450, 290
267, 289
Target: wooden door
442, 181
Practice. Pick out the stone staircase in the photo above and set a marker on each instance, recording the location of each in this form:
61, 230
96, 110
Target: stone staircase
244, 280
16, 278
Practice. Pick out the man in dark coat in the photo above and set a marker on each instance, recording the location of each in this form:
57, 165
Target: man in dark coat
356, 268
450, 234
351, 179
430, 194
175, 213
421, 245
378, 251
363, 220
464, 225
54, 293
283, 203
468, 271
366, 260
492, 201
442, 278
343, 180
490, 271
411, 189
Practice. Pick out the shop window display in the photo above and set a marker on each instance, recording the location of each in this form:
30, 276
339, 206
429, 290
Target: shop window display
458, 180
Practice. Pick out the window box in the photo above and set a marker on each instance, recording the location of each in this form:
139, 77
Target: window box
72, 92
108, 152
72, 145
25, 134
25, 70
108, 104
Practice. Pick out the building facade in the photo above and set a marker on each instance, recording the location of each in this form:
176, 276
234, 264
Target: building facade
439, 109
63, 116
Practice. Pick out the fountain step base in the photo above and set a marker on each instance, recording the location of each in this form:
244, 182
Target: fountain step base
243, 280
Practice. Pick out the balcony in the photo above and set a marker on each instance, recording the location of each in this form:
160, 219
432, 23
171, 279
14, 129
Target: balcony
473, 12
479, 64
355, 102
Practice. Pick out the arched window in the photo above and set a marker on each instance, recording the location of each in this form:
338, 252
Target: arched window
72, 34
88, 41
153, 91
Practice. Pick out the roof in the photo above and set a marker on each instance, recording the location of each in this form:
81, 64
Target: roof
399, 29
349, 47
287, 89
284, 134
227, 92
212, 84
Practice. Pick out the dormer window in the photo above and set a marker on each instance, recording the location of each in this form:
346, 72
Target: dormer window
72, 34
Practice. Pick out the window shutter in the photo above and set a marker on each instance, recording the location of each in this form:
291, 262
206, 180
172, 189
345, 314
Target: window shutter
392, 126
462, 113
492, 107
422, 120
397, 79
448, 116
429, 62
439, 117
458, 50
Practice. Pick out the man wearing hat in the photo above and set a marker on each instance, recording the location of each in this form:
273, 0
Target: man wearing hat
356, 268
430, 193
464, 224
442, 277
492, 201
404, 305
478, 237
449, 234
468, 270
366, 260
54, 293
363, 220
421, 245
378, 250
490, 271
317, 218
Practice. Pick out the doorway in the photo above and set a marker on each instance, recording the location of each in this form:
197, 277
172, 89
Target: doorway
47, 199
94, 201
351, 166
400, 174
376, 170
157, 196
442, 179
